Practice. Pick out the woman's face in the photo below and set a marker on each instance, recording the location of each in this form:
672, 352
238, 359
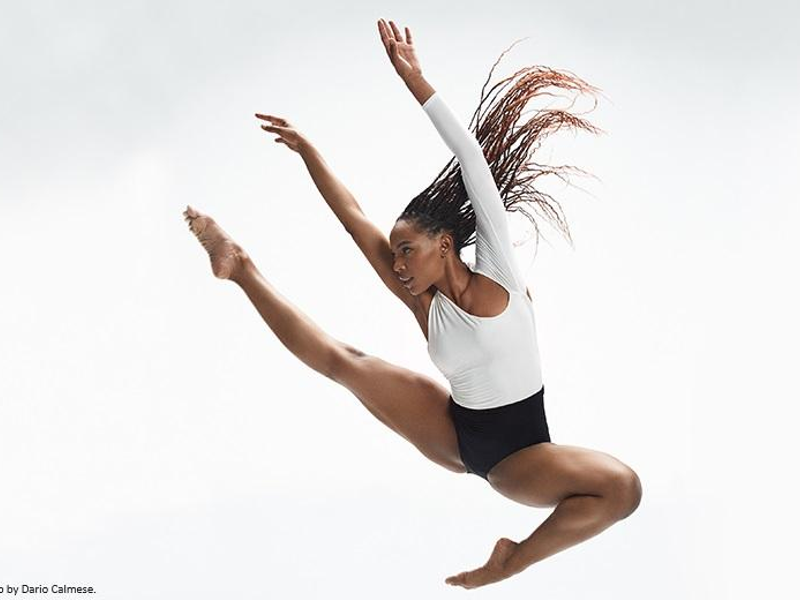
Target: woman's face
416, 256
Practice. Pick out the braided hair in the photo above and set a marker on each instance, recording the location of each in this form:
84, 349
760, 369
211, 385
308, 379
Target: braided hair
444, 204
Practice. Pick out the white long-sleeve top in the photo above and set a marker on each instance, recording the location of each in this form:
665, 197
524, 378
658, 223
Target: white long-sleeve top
489, 361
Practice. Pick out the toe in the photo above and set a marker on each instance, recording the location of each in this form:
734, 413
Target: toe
198, 225
455, 579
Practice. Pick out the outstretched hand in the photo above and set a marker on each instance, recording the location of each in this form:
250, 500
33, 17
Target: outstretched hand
401, 51
287, 132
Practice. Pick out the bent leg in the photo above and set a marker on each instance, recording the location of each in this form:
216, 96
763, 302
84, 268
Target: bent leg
544, 474
592, 491
411, 404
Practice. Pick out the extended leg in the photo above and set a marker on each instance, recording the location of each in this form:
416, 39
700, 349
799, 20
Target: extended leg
411, 404
301, 336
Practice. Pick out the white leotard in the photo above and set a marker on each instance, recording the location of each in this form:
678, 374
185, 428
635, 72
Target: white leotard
489, 361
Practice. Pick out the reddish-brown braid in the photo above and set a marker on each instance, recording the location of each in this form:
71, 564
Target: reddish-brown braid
508, 148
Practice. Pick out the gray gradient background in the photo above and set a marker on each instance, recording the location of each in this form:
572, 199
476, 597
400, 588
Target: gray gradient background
156, 440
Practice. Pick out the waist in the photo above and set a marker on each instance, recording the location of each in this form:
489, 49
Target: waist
466, 410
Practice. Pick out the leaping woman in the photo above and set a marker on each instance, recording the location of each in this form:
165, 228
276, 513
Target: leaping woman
478, 319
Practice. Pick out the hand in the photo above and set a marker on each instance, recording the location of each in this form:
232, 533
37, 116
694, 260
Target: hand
401, 51
287, 132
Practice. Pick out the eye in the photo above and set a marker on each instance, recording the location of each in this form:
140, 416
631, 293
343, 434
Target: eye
406, 250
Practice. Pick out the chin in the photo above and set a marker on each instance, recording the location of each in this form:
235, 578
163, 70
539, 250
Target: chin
417, 289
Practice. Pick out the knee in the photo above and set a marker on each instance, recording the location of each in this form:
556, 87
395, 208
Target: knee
341, 360
625, 492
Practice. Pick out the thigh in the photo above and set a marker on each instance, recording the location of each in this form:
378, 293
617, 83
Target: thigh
544, 474
410, 403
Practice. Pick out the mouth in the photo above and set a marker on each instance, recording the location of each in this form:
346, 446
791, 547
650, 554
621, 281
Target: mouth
406, 282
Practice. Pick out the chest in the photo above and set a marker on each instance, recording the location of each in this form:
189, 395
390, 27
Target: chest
487, 298
458, 341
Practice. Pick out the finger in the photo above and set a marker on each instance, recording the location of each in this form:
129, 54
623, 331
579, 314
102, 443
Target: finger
397, 35
270, 118
281, 122
384, 34
408, 36
274, 128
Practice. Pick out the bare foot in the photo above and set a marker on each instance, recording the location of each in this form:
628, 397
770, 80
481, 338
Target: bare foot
226, 255
493, 571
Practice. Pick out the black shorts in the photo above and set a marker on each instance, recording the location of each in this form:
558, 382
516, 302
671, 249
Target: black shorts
486, 436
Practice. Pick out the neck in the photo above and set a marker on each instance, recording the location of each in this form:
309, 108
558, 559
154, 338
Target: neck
455, 279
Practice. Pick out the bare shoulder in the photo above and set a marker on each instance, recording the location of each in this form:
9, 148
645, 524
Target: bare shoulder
492, 292
485, 297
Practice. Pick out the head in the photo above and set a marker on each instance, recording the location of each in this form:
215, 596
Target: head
421, 254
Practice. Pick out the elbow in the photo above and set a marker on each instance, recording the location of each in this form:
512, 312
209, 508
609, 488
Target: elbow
475, 148
469, 153
467, 148
351, 231
353, 221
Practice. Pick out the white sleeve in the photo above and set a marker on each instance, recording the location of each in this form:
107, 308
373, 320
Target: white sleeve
493, 249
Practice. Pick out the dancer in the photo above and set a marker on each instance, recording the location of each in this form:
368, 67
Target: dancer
479, 322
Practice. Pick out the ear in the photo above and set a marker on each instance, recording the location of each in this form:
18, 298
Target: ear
446, 243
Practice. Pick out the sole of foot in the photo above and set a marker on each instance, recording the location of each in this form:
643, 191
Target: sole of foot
226, 255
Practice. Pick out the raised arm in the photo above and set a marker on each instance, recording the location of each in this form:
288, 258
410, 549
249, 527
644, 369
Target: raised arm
493, 248
372, 242
493, 251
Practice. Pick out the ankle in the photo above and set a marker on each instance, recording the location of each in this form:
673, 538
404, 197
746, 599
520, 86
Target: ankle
246, 269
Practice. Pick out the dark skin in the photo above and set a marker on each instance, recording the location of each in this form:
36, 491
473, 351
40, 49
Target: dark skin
433, 263
431, 260
590, 490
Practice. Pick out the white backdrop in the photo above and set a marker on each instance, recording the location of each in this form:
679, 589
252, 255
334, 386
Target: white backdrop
157, 441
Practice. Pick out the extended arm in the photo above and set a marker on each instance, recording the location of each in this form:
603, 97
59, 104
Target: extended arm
493, 239
493, 249
336, 195
372, 242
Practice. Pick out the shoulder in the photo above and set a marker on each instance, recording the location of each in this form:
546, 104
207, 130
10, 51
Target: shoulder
488, 289
485, 297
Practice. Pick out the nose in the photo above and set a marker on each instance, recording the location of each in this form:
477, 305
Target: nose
398, 265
